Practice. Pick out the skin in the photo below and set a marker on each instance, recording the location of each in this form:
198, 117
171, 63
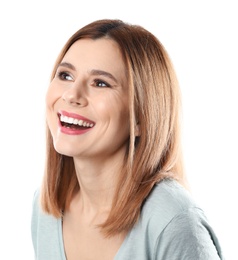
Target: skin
98, 154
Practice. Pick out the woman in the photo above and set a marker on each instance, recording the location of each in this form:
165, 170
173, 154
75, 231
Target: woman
114, 186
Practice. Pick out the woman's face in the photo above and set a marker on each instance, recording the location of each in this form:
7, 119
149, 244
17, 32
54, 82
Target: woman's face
87, 101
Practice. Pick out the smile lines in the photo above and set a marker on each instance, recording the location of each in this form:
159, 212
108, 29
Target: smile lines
74, 121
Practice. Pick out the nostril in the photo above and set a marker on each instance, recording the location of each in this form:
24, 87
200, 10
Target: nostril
73, 98
71, 101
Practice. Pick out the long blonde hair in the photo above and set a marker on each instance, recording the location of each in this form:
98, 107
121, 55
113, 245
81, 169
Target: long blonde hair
154, 107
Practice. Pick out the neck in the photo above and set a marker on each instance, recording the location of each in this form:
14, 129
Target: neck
97, 181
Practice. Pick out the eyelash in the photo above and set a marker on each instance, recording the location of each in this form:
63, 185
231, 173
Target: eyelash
62, 75
99, 81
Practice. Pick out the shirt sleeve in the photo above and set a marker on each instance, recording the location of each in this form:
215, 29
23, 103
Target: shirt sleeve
188, 236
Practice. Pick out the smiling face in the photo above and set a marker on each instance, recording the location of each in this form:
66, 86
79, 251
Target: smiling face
87, 101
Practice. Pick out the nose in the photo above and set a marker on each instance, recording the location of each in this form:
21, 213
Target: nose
75, 95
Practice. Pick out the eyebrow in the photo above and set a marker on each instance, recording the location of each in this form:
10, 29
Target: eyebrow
67, 65
102, 73
94, 72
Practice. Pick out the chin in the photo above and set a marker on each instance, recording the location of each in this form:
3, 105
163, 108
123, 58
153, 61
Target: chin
65, 149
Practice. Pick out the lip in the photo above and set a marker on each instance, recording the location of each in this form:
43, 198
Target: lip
70, 131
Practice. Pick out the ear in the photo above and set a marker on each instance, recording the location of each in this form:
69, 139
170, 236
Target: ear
137, 130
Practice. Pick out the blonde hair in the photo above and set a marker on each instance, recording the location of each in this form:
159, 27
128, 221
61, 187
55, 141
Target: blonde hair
154, 106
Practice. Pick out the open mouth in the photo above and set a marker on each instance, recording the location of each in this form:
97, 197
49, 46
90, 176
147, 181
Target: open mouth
74, 123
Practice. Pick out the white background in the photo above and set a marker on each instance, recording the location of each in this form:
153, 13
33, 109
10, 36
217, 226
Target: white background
201, 38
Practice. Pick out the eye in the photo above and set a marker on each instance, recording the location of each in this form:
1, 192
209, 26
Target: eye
64, 76
101, 84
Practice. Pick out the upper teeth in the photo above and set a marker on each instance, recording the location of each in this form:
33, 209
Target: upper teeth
71, 120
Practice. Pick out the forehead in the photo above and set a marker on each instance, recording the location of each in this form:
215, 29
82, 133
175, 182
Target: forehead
102, 53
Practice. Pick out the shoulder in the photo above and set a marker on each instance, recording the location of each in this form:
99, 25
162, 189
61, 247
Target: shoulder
167, 199
171, 226
46, 232
175, 220
40, 219
35, 211
170, 203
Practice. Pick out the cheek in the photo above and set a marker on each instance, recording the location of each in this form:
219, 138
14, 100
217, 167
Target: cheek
119, 112
51, 121
113, 108
50, 99
51, 96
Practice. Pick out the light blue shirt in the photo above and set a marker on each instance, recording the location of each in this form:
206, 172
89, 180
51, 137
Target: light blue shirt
171, 227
